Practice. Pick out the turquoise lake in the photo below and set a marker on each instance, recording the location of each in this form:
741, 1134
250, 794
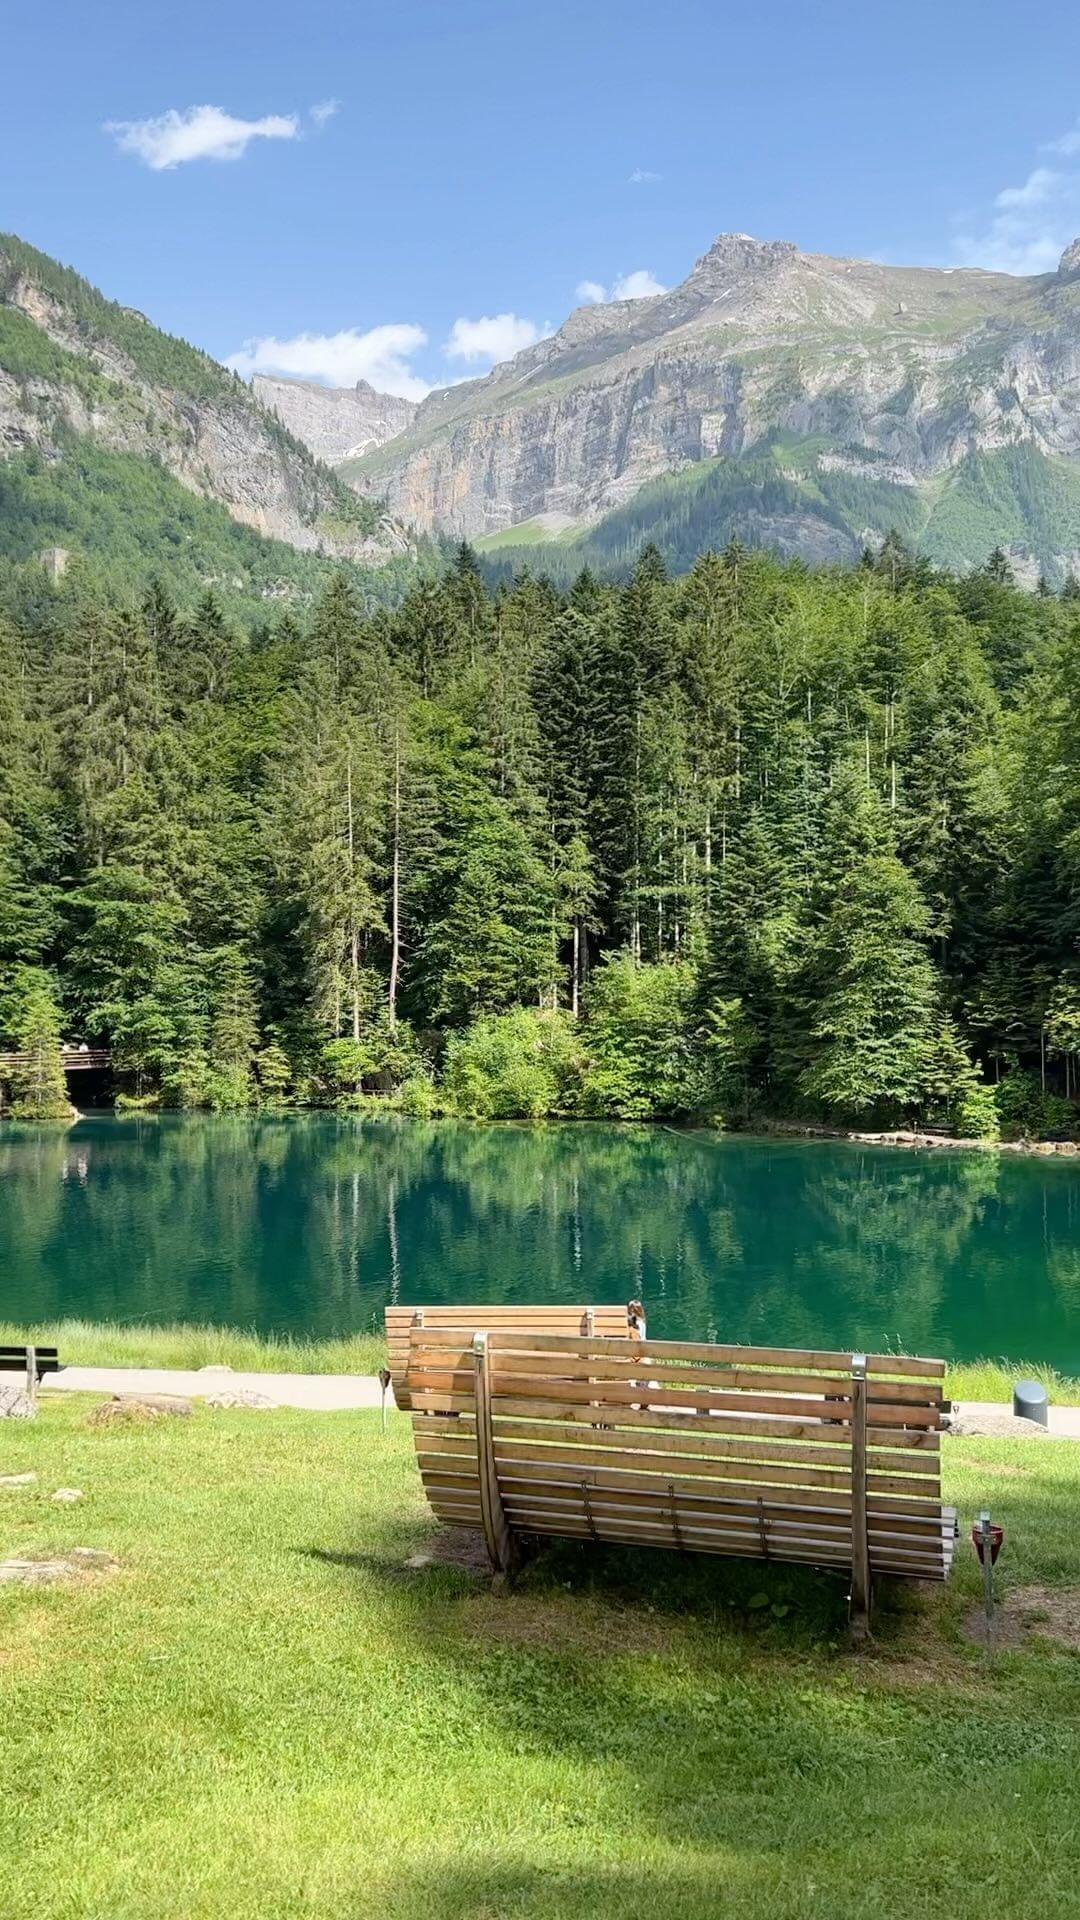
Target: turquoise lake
309, 1224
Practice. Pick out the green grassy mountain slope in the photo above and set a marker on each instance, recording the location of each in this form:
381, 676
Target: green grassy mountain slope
119, 440
782, 498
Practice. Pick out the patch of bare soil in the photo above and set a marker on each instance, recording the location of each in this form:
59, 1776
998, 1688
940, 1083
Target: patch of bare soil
1043, 1613
457, 1547
47, 1569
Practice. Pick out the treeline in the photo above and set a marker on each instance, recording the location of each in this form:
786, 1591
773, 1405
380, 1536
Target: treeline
750, 840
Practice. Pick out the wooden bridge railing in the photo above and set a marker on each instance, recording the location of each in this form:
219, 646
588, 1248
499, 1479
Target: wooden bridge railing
72, 1059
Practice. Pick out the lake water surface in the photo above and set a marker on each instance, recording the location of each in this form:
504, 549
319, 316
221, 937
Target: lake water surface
309, 1224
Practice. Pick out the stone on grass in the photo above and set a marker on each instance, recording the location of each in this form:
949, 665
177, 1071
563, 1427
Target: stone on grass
240, 1397
47, 1569
17, 1479
997, 1426
66, 1496
137, 1410
17, 1404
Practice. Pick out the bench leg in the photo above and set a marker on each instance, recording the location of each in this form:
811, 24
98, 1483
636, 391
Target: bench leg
503, 1545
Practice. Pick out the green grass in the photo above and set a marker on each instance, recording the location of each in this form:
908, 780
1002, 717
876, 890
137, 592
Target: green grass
114, 1343
994, 1380
263, 1713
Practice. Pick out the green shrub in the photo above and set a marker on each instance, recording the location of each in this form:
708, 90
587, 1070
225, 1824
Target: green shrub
418, 1097
644, 1054
521, 1065
975, 1116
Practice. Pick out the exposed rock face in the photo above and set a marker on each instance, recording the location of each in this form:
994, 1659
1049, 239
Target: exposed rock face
902, 372
337, 423
216, 437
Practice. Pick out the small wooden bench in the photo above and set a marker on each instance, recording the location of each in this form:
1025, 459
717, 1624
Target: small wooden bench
34, 1362
767, 1453
547, 1319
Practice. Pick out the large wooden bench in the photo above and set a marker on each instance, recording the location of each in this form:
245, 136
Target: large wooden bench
548, 1319
765, 1453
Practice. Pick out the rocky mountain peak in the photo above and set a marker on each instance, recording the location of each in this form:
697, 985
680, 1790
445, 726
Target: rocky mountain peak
1070, 259
740, 254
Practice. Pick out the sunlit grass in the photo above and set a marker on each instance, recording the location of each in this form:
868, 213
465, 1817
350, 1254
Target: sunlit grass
112, 1343
263, 1713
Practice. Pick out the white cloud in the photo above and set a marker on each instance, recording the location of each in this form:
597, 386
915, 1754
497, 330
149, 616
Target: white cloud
639, 285
201, 133
1068, 144
494, 337
323, 111
643, 177
1028, 226
381, 356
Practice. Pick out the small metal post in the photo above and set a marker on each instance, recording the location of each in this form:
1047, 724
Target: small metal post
861, 1586
31, 1377
988, 1578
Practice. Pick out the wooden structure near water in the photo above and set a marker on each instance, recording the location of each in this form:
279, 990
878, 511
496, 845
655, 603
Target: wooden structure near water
72, 1059
832, 1459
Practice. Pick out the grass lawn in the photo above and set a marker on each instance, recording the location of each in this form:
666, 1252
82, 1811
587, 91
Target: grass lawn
264, 1712
105, 1343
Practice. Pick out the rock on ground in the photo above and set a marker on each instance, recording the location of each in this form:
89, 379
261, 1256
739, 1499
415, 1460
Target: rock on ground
46, 1570
137, 1409
998, 1426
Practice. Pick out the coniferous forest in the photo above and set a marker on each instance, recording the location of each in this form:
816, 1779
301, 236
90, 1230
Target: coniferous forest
750, 841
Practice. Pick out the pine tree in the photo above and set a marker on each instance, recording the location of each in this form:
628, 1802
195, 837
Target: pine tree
38, 1087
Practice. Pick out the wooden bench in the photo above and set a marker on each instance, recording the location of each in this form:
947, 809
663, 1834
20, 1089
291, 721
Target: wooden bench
34, 1362
765, 1453
547, 1319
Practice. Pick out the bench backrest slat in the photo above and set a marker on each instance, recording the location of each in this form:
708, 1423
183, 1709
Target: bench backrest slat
14, 1360
755, 1452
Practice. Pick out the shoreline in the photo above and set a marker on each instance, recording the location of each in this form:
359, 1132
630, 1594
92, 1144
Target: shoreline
190, 1348
761, 1128
912, 1137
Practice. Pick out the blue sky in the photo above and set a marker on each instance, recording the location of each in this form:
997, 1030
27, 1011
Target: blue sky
476, 164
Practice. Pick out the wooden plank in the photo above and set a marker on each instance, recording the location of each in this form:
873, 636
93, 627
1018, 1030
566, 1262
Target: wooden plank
650, 1371
710, 1443
801, 1359
581, 1393
600, 1367
647, 1487
644, 1468
668, 1421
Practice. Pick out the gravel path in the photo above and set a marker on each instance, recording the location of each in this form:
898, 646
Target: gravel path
328, 1392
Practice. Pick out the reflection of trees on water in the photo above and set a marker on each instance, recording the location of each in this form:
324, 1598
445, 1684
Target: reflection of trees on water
309, 1224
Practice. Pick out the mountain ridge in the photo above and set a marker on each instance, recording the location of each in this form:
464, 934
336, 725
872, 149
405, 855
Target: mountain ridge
920, 368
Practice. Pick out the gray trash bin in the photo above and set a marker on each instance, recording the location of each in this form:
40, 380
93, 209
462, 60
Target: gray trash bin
1031, 1401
